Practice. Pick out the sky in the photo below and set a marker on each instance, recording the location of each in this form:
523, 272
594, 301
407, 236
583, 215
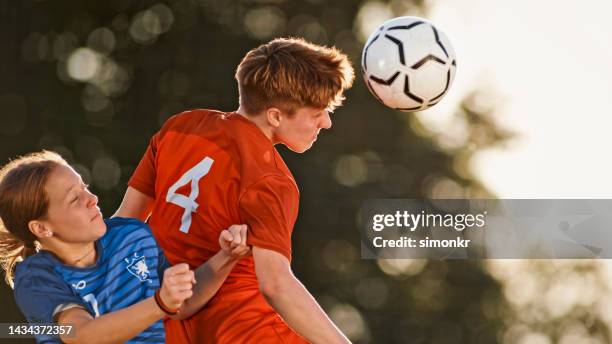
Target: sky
548, 66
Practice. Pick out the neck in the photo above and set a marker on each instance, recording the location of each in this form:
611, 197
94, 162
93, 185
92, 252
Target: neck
79, 255
260, 121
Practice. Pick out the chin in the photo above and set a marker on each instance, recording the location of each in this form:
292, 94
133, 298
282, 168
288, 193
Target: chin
99, 228
299, 149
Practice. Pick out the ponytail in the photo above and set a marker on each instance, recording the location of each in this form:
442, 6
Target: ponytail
12, 251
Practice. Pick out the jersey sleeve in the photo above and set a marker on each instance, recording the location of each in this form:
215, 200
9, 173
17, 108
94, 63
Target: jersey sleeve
41, 294
269, 208
143, 178
162, 265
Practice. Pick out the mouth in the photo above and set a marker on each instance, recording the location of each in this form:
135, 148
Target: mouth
98, 215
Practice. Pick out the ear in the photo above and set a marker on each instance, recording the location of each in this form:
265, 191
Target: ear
273, 115
39, 229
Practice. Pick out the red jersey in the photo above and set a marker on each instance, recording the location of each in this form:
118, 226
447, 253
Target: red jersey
208, 170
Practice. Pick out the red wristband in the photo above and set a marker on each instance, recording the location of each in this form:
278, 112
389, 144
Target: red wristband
162, 306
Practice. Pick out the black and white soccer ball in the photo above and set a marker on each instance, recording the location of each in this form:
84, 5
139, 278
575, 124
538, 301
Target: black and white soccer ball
408, 64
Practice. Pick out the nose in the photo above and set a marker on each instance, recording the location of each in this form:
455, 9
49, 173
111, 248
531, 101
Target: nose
326, 122
92, 200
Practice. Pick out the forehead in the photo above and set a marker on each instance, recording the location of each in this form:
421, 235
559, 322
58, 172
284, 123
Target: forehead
60, 180
308, 111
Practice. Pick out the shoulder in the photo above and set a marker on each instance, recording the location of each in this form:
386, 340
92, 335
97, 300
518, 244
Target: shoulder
37, 274
187, 119
40, 290
122, 230
257, 153
38, 267
276, 183
123, 224
211, 125
267, 172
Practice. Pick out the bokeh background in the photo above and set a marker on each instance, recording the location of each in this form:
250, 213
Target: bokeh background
93, 80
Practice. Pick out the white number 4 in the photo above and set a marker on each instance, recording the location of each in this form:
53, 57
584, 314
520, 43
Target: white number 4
188, 203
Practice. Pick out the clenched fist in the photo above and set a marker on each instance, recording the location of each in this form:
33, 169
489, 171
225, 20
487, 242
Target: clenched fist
233, 241
177, 285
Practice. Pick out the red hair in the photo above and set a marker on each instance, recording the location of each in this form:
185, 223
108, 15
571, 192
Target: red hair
290, 73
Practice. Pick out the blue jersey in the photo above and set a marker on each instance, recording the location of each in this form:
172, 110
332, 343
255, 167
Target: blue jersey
128, 269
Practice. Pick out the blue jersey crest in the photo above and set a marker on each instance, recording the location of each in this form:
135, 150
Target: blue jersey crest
137, 266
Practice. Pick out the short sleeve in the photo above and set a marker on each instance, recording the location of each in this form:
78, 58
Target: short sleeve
143, 178
162, 265
40, 291
269, 208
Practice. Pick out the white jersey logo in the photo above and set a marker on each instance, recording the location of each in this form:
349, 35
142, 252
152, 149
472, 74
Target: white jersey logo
137, 266
80, 285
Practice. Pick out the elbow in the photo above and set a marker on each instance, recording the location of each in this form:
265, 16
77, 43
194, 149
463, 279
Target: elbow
274, 275
273, 288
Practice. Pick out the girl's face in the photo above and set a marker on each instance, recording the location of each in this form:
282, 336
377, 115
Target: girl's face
73, 215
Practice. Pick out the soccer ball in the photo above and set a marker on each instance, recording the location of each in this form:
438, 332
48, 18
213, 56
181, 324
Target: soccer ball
408, 64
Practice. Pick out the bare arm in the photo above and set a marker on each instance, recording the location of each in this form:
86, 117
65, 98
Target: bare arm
211, 275
126, 323
291, 300
209, 278
135, 204
115, 327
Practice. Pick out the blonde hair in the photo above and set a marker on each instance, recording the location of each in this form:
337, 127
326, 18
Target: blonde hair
290, 73
22, 199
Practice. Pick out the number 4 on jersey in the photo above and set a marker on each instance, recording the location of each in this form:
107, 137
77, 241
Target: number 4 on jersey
188, 203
